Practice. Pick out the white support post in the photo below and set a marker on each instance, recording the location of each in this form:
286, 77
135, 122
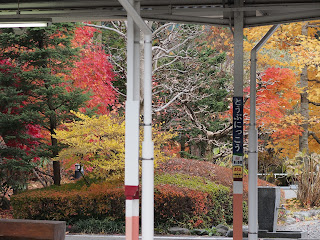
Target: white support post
253, 141
147, 145
132, 129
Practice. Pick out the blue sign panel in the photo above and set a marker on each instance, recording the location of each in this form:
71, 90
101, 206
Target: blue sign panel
238, 125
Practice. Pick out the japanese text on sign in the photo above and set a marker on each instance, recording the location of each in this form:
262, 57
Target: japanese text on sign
237, 160
237, 172
238, 125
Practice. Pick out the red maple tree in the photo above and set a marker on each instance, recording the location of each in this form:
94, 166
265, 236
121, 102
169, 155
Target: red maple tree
93, 72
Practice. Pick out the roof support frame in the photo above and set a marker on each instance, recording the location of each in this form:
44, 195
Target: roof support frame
202, 12
190, 11
253, 140
284, 18
147, 209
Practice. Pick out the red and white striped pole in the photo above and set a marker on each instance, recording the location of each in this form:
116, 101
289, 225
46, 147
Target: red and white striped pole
237, 167
132, 212
135, 22
132, 127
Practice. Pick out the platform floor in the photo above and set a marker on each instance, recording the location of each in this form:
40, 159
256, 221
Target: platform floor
121, 237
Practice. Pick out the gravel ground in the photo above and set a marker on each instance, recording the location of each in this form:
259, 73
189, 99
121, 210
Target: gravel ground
312, 227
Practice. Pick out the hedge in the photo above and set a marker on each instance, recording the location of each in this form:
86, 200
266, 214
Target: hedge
97, 201
191, 201
179, 201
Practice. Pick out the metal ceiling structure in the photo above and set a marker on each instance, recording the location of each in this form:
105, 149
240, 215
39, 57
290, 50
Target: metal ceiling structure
215, 12
237, 14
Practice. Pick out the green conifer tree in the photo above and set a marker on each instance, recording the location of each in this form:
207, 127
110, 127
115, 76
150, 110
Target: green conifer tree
42, 58
16, 145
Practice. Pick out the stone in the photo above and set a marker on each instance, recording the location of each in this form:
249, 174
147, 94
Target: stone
300, 216
199, 232
222, 229
290, 220
313, 212
305, 214
245, 230
229, 233
178, 230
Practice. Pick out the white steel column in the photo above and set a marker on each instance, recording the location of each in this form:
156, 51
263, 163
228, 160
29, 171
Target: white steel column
147, 145
253, 141
132, 129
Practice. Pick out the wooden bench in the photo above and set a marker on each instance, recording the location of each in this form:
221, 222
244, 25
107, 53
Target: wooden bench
32, 229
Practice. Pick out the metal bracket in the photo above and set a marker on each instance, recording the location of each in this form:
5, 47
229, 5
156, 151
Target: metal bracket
148, 159
145, 124
135, 16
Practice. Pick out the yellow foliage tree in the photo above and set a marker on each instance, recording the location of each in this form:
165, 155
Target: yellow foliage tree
296, 46
97, 143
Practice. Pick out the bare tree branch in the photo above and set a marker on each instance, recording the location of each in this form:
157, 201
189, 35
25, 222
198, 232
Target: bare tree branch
314, 80
314, 136
117, 90
44, 173
107, 28
314, 103
38, 177
210, 135
162, 27
168, 103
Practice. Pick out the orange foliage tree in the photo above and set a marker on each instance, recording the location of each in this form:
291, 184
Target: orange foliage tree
296, 46
277, 95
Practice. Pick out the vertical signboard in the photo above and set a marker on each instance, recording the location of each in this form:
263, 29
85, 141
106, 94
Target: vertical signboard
237, 144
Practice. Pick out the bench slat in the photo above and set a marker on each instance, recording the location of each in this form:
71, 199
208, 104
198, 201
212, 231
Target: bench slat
34, 229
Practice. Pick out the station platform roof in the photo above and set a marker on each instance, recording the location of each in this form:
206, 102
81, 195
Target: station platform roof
206, 12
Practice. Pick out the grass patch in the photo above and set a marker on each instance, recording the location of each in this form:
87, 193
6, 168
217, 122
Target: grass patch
192, 182
96, 226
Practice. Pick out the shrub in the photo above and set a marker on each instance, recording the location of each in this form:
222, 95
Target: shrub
305, 167
97, 201
191, 201
180, 200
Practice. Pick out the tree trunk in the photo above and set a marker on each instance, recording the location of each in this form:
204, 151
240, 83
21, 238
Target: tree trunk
182, 147
56, 164
304, 111
304, 108
195, 150
55, 152
56, 173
